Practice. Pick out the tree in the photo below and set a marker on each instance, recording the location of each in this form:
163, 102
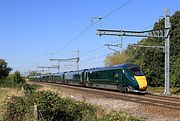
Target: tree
4, 69
116, 58
16, 78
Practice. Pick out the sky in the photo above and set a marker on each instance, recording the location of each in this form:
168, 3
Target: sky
33, 31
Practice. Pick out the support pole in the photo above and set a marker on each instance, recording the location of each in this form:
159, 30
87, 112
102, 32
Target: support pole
78, 59
58, 67
167, 46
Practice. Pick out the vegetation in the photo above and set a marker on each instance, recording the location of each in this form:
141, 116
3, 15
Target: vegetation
4, 69
12, 80
116, 58
117, 116
174, 90
51, 107
152, 60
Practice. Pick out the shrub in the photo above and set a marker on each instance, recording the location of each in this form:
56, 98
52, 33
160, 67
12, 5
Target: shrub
12, 80
18, 109
117, 116
51, 107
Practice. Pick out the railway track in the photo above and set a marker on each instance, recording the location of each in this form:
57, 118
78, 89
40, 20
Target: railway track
148, 99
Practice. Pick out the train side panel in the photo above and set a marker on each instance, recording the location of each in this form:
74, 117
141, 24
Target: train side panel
109, 79
58, 78
73, 78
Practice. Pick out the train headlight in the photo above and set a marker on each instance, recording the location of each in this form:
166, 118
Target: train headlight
133, 78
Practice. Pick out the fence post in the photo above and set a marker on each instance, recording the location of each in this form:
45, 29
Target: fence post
35, 112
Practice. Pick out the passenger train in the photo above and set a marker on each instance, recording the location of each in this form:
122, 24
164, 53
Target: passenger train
123, 77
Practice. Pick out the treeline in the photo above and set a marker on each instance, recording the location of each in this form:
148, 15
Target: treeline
7, 79
151, 60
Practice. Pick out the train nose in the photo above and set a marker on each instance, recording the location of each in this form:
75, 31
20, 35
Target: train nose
142, 82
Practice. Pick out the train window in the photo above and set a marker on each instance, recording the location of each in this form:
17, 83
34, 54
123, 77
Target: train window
115, 74
96, 74
137, 71
76, 76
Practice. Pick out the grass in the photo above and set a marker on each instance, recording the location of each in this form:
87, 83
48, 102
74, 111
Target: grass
35, 86
175, 90
3, 94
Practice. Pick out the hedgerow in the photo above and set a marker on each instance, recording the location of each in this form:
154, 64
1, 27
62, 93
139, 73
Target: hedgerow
51, 107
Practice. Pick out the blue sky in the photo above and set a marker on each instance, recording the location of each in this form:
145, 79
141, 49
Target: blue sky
32, 29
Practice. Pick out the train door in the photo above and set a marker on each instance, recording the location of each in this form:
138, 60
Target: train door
86, 79
118, 77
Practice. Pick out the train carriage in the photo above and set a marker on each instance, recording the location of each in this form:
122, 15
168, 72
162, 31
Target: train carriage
58, 78
47, 78
35, 78
104, 78
74, 77
122, 77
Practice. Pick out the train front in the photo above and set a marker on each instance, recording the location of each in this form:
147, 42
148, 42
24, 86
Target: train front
136, 78
140, 78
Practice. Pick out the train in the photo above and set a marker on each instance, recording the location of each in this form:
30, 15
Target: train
122, 77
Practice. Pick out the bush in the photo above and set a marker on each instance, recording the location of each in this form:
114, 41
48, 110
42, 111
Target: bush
12, 80
117, 116
51, 107
16, 78
18, 109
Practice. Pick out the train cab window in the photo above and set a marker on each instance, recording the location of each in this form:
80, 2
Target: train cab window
115, 74
137, 71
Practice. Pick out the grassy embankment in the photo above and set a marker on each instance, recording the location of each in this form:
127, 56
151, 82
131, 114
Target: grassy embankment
174, 91
21, 106
5, 94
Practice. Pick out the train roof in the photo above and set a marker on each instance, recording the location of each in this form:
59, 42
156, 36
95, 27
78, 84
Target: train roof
119, 66
76, 71
59, 73
125, 66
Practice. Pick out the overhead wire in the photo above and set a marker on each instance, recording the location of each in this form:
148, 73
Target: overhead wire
124, 4
97, 57
89, 26
98, 48
90, 64
81, 33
